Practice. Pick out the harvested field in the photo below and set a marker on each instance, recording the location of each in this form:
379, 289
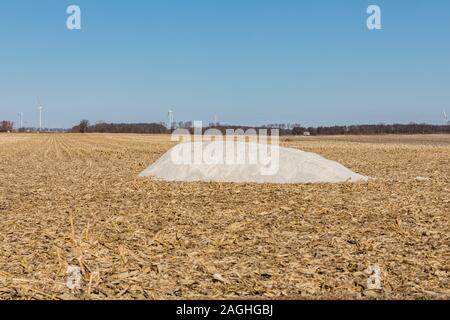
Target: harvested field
77, 200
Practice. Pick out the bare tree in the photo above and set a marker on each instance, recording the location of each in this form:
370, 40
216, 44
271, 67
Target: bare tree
83, 126
6, 126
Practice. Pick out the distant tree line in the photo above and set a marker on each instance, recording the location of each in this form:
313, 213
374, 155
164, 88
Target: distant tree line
103, 127
378, 129
284, 129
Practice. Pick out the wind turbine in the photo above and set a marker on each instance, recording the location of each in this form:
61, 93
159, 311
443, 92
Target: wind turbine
40, 108
170, 116
21, 120
446, 118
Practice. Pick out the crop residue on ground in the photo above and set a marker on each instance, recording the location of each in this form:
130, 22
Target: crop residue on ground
76, 200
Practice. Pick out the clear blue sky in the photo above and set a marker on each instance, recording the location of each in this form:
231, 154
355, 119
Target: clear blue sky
312, 62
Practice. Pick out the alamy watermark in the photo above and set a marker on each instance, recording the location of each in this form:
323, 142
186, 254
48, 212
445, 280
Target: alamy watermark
73, 22
236, 147
374, 280
374, 20
73, 278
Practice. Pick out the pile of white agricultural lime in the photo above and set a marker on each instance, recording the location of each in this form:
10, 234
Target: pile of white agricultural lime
281, 165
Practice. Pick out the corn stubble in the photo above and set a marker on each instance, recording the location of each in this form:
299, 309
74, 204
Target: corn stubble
72, 199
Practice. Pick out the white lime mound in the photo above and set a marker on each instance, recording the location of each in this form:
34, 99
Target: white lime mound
243, 162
